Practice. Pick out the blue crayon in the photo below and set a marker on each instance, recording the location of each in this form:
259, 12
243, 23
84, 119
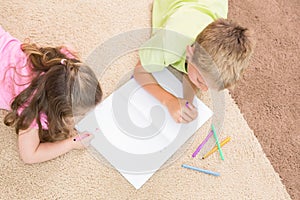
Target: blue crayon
201, 170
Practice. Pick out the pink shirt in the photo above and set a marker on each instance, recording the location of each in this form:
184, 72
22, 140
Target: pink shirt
15, 73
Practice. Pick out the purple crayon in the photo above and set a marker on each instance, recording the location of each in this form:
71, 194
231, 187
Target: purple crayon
202, 144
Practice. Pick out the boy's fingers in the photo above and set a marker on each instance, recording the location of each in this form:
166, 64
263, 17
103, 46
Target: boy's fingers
190, 106
192, 113
178, 119
187, 117
181, 120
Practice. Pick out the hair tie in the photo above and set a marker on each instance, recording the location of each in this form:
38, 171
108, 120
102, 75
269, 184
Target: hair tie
63, 61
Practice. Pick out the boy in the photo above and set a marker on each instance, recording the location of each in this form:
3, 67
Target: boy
213, 59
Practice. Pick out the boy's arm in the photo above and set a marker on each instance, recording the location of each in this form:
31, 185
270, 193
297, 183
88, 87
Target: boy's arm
32, 151
177, 107
148, 82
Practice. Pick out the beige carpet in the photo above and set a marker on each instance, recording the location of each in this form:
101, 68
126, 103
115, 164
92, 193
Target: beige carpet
245, 174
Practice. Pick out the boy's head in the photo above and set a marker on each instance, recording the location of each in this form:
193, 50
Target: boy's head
219, 55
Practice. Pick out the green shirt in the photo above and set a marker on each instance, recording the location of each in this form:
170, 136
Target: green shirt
175, 25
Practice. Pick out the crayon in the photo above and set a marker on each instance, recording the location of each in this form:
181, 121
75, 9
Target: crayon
201, 170
81, 137
225, 141
217, 142
202, 144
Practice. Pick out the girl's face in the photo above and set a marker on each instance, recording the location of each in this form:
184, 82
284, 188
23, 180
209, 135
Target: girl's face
193, 72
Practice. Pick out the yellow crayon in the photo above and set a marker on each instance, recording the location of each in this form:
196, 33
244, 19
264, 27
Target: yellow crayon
216, 147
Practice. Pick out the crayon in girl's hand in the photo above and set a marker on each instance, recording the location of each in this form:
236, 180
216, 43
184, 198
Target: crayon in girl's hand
81, 137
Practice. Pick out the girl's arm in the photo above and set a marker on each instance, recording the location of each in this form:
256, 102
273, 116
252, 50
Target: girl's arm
32, 151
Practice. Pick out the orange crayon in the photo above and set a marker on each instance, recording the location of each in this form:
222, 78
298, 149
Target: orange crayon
216, 147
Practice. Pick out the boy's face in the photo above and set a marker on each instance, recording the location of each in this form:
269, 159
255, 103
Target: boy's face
196, 78
193, 72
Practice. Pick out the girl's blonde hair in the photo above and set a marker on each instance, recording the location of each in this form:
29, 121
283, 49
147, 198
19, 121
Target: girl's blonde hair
61, 87
223, 50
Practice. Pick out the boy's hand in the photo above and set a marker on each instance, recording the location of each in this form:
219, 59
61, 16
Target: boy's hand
81, 141
181, 110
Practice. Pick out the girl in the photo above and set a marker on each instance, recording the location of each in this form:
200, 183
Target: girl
43, 88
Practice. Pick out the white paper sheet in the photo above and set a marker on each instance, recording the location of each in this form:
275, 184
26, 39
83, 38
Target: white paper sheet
135, 133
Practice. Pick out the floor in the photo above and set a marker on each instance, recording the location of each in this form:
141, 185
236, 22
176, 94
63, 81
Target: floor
268, 95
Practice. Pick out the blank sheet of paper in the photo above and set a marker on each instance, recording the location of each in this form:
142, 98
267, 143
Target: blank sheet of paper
135, 133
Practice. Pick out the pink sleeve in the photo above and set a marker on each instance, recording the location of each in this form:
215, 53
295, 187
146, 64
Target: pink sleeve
43, 118
44, 122
15, 73
14, 80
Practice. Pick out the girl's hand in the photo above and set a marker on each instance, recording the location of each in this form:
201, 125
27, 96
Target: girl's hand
81, 141
181, 110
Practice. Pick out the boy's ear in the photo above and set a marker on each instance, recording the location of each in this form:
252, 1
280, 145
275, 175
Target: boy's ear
190, 49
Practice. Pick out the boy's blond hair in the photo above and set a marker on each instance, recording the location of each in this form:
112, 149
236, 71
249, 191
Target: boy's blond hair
223, 50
